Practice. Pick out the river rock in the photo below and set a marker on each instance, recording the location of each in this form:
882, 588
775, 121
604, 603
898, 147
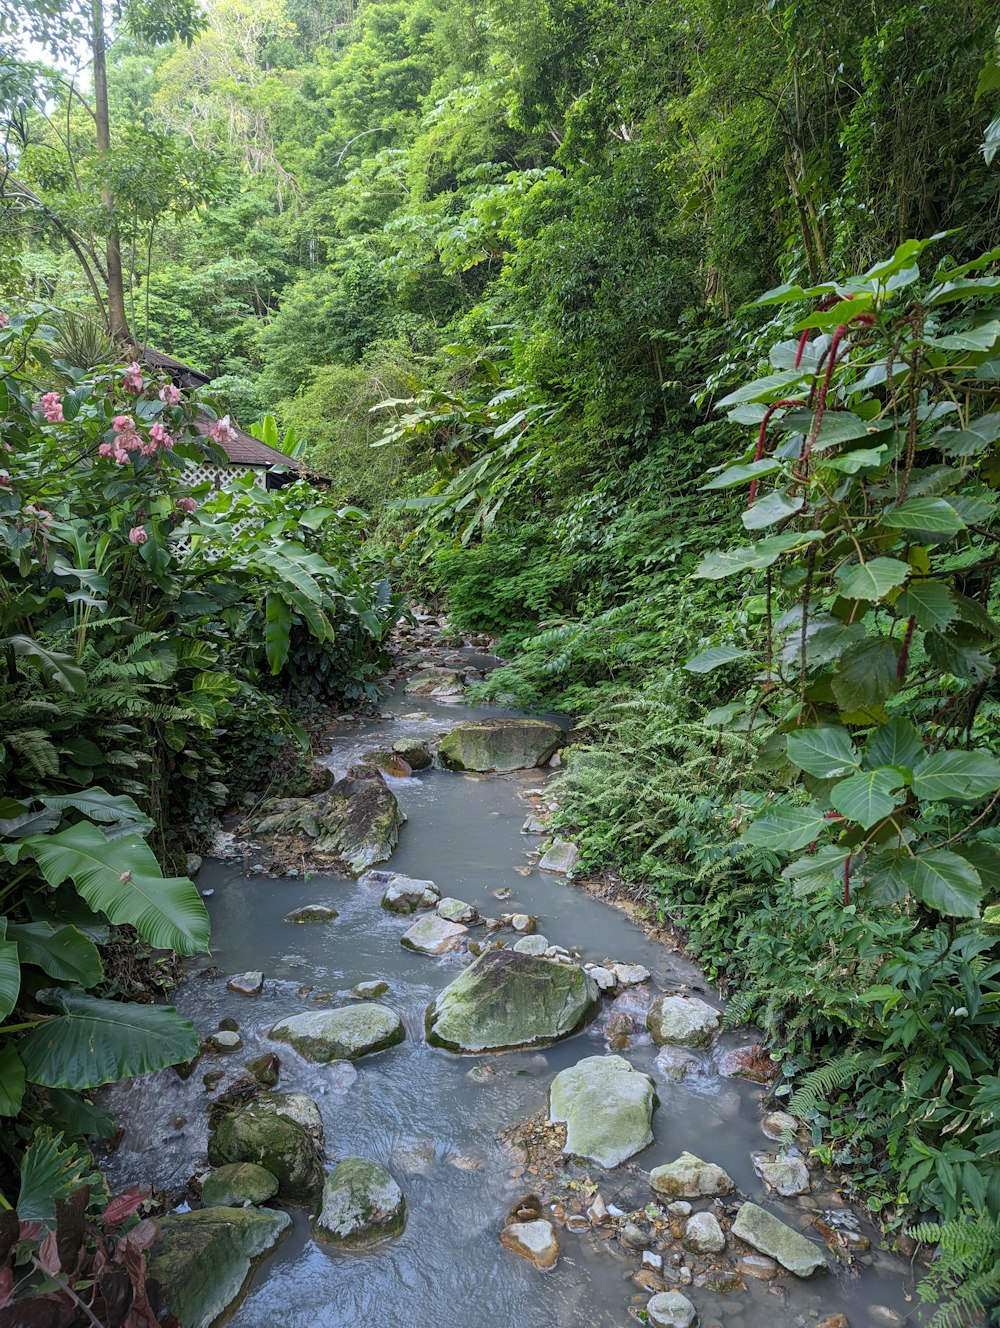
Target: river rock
630, 975
561, 856
238, 1183
533, 825
499, 744
757, 1266
360, 821
369, 991
506, 1000
265, 1068
435, 682
226, 1039
362, 1204
269, 1131
690, 1178
785, 1175
779, 1125
392, 764
523, 923
769, 1235
535, 944
535, 1241
404, 893
607, 1106
415, 753
683, 1020
343, 1034
203, 1258
434, 935
246, 984
604, 978
703, 1235
669, 1309
675, 1063
312, 913
752, 1062
457, 910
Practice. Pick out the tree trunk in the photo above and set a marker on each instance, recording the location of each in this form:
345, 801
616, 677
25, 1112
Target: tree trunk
116, 319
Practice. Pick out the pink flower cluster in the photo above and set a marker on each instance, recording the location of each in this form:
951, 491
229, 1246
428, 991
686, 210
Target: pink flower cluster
137, 535
4, 320
132, 379
128, 441
170, 394
186, 505
222, 431
52, 407
38, 514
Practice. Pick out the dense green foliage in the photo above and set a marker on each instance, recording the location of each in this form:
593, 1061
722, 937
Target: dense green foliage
499, 268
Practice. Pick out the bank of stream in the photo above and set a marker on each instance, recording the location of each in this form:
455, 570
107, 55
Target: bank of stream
433, 1118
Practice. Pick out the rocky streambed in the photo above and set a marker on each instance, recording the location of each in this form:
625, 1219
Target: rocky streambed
452, 1088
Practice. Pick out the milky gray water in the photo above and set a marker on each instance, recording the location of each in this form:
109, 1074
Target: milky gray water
415, 1109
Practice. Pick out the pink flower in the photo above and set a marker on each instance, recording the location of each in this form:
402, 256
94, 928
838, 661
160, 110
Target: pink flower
4, 480
137, 535
52, 407
186, 505
132, 379
4, 320
170, 394
41, 516
123, 424
222, 431
160, 436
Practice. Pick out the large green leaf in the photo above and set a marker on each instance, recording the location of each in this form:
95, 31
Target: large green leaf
763, 389
816, 870
10, 972
743, 474
929, 603
122, 879
826, 752
950, 654
786, 829
724, 562
936, 516
97, 1042
868, 796
943, 881
770, 509
61, 952
866, 674
872, 580
824, 645
63, 670
277, 632
956, 777
49, 1171
894, 743
11, 1080
99, 805
713, 658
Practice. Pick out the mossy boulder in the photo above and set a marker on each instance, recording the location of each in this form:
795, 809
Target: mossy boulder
435, 682
415, 753
684, 1021
273, 1131
344, 1034
768, 1235
362, 1205
499, 744
607, 1107
506, 1000
690, 1178
202, 1259
238, 1183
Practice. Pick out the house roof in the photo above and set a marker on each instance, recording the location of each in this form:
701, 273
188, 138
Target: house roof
245, 450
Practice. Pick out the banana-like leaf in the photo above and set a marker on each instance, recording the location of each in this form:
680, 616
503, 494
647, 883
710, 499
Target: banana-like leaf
11, 1080
62, 952
99, 805
95, 1042
10, 972
61, 669
122, 879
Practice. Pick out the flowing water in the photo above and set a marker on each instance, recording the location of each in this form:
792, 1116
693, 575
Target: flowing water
416, 1110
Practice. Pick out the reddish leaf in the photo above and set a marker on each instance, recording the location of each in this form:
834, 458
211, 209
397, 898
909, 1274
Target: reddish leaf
124, 1205
70, 1240
48, 1255
144, 1234
30, 1231
38, 1312
6, 1285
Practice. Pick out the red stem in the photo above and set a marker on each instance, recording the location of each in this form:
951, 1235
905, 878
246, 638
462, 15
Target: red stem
847, 881
762, 435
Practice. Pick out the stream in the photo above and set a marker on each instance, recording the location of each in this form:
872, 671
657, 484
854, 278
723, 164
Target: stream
416, 1110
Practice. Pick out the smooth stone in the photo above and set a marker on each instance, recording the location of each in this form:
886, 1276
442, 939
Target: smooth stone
633, 1237
343, 1034
362, 1204
392, 764
246, 984
203, 1258
752, 1062
769, 1235
683, 1020
415, 753
535, 1241
282, 1132
886, 1316
679, 1208
630, 975
561, 857
312, 913
607, 1106
758, 1266
404, 893
224, 1040
675, 1063
435, 682
533, 826
531, 945
192, 864
434, 936
505, 1000
669, 1309
779, 1125
703, 1235
238, 1183
369, 991
457, 910
499, 744
690, 1178
604, 978
357, 820
523, 923
785, 1175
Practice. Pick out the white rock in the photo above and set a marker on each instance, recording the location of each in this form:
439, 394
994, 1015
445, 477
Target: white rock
561, 856
536, 1241
604, 978
669, 1309
703, 1235
433, 935
630, 975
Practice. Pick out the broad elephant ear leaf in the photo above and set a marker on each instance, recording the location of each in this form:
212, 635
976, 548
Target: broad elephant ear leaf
11, 1080
95, 1042
122, 879
62, 952
10, 972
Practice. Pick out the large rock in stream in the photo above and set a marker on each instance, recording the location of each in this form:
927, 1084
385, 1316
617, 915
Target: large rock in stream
362, 1204
499, 744
507, 1000
684, 1021
769, 1235
607, 1106
203, 1259
282, 1132
340, 1035
356, 821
